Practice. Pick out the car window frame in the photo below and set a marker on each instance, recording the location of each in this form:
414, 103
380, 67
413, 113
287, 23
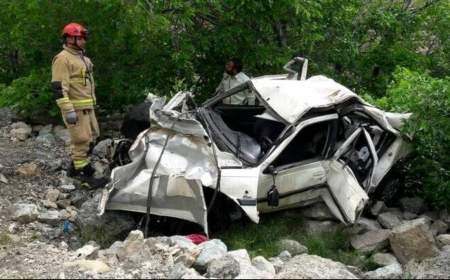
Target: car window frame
277, 150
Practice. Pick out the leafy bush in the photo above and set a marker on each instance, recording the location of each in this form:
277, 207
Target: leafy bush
429, 100
30, 95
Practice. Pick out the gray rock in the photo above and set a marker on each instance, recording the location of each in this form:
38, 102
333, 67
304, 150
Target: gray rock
318, 211
192, 274
409, 216
104, 149
179, 271
432, 268
413, 240
67, 188
384, 259
438, 227
51, 217
444, 239
321, 227
188, 258
226, 268
292, 246
45, 129
49, 204
62, 134
182, 242
3, 179
392, 271
277, 264
412, 204
209, 251
20, 131
52, 195
46, 139
314, 267
364, 225
285, 256
88, 251
377, 208
24, 213
247, 270
389, 220
113, 223
371, 241
64, 203
264, 265
94, 266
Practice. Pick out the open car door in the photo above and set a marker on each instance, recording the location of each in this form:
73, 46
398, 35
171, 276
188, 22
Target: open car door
346, 191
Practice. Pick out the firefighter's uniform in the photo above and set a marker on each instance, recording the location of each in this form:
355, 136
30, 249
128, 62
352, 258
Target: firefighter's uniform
74, 90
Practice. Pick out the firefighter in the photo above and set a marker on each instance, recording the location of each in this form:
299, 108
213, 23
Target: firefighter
74, 91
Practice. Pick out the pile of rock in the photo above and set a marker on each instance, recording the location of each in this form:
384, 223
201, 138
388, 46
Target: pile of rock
397, 237
176, 257
46, 135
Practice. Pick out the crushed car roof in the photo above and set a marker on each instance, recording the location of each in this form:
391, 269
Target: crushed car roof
291, 99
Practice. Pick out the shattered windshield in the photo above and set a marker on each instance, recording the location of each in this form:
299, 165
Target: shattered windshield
241, 124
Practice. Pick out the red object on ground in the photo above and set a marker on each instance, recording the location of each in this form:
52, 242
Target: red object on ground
197, 238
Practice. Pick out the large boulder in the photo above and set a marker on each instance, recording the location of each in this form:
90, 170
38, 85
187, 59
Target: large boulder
389, 219
377, 208
314, 267
209, 251
111, 222
371, 241
292, 246
24, 212
224, 268
432, 268
438, 227
444, 239
247, 270
264, 265
392, 271
384, 259
20, 131
364, 225
413, 240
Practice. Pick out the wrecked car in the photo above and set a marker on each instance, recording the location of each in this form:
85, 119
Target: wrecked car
292, 142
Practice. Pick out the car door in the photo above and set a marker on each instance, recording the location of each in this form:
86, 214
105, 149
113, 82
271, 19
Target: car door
296, 167
348, 171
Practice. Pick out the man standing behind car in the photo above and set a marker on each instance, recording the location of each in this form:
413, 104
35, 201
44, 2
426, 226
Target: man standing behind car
232, 77
74, 91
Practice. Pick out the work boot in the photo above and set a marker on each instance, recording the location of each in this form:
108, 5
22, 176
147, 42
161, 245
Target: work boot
88, 170
86, 176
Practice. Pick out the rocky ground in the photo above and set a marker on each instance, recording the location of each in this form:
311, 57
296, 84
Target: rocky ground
42, 211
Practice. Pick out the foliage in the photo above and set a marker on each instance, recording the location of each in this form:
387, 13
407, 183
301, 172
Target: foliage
140, 45
428, 99
30, 95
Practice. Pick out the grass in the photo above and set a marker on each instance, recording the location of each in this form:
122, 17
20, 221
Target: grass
5, 239
96, 233
261, 240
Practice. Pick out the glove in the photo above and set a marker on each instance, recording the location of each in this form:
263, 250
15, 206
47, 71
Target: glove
71, 118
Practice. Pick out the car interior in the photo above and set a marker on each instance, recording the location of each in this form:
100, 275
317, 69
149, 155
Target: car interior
247, 130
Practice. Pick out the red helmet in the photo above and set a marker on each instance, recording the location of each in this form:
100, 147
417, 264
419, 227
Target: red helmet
75, 30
